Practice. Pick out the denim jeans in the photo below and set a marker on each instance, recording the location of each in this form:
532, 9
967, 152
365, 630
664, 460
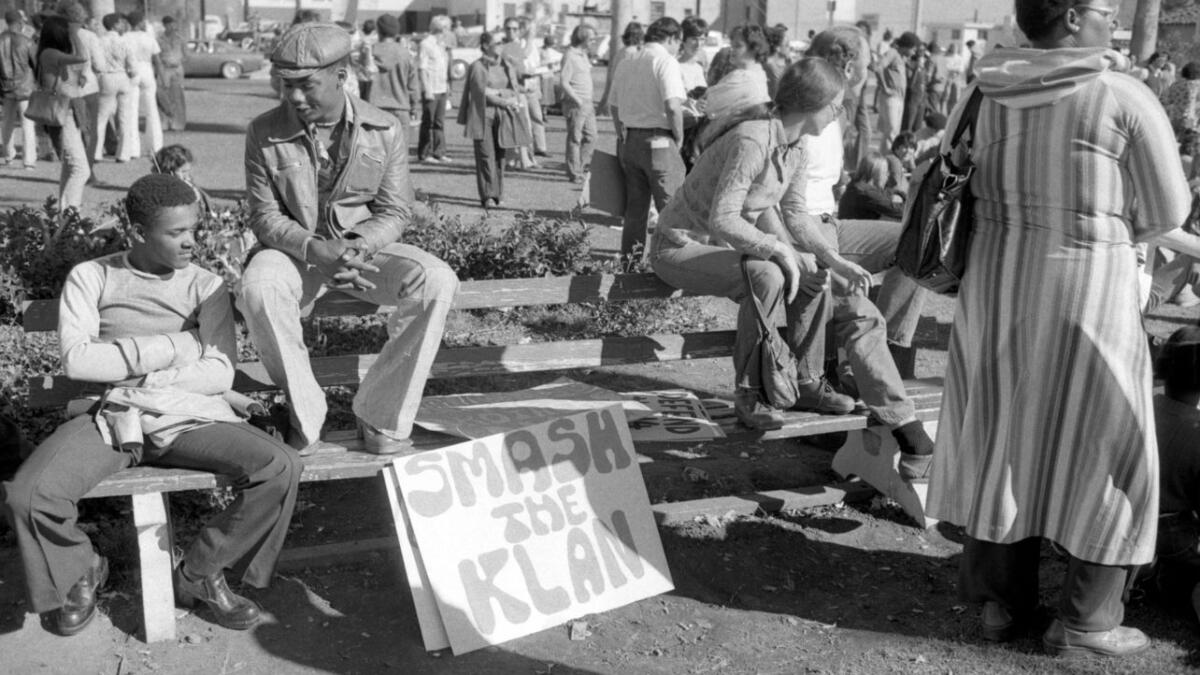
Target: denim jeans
41, 502
858, 328
715, 270
489, 160
1169, 277
653, 170
431, 140
872, 244
76, 169
146, 92
891, 112
581, 137
276, 290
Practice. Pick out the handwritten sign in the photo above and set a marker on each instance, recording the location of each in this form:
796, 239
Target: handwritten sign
528, 529
676, 415
479, 415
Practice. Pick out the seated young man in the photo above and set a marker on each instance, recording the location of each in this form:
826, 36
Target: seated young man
1177, 421
329, 194
158, 330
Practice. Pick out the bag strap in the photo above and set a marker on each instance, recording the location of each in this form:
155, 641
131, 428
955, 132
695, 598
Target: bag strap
969, 118
759, 311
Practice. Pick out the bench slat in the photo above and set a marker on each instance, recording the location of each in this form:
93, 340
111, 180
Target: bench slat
42, 315
347, 461
57, 390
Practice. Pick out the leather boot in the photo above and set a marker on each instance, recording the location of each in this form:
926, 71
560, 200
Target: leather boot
818, 396
379, 443
80, 606
753, 412
230, 609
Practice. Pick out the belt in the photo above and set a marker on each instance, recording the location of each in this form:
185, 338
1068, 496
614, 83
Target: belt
650, 130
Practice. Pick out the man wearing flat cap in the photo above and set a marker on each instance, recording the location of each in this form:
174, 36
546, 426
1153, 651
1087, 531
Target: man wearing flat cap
329, 193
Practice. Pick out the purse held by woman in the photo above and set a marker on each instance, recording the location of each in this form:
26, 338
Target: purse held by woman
48, 106
773, 357
940, 213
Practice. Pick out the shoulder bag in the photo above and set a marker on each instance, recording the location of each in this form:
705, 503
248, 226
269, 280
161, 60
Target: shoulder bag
48, 106
940, 213
776, 362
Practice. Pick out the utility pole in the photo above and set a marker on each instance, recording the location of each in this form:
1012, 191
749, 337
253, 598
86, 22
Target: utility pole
621, 14
917, 17
1145, 29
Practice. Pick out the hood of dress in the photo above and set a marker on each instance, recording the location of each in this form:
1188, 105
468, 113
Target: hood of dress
1028, 78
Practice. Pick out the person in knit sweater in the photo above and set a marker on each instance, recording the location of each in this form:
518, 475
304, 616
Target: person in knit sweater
156, 332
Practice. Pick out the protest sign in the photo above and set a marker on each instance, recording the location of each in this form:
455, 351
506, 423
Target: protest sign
676, 415
528, 529
479, 415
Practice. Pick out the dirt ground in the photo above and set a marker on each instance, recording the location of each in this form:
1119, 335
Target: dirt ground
847, 588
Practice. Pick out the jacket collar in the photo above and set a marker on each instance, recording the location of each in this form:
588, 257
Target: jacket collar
289, 126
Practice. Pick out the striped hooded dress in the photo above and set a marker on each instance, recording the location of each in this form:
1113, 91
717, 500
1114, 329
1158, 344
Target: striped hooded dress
1047, 425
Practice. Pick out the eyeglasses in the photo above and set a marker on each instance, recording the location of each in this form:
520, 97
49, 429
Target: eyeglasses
1109, 13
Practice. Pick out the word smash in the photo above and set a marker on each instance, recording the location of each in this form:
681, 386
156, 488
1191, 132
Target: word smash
542, 476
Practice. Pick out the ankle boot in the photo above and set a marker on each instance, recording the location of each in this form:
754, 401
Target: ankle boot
230, 609
80, 606
753, 412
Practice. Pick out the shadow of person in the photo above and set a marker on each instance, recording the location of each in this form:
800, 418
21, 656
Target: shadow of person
357, 618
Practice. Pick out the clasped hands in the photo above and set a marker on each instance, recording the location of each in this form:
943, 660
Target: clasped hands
342, 263
804, 272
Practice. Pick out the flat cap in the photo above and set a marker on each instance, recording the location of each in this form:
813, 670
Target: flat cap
308, 47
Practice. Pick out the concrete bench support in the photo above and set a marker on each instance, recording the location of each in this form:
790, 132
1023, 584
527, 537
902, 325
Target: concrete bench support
873, 455
156, 541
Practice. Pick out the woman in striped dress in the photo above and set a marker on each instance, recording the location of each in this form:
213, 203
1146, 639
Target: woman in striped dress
1047, 426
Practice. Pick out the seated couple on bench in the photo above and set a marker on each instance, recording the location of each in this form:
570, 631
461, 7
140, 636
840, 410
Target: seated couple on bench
328, 185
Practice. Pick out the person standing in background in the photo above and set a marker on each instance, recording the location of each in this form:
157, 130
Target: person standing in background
143, 52
54, 56
647, 110
892, 73
80, 81
433, 66
17, 62
693, 62
113, 66
777, 60
631, 41
364, 62
491, 114
396, 87
577, 106
170, 87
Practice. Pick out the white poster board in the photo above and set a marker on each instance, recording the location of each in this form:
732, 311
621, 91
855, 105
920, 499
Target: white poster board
677, 415
479, 415
528, 529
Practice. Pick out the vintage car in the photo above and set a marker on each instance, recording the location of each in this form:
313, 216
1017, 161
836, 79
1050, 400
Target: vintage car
216, 58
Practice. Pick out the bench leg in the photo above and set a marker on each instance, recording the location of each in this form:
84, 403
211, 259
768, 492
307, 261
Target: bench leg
873, 455
433, 632
156, 540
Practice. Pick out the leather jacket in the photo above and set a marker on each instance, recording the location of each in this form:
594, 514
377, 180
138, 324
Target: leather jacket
371, 199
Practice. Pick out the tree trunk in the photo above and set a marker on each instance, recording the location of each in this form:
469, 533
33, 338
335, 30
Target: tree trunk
1145, 30
622, 13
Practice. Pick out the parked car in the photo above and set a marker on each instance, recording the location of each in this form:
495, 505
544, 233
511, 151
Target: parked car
714, 42
213, 59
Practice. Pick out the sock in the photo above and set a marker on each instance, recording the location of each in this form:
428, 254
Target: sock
912, 438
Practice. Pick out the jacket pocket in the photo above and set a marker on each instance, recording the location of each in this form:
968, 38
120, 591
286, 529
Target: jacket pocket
366, 172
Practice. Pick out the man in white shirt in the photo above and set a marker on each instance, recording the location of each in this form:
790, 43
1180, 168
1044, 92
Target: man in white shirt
113, 66
143, 50
433, 68
577, 106
647, 110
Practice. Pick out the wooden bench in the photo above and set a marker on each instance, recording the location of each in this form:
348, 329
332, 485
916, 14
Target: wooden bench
868, 453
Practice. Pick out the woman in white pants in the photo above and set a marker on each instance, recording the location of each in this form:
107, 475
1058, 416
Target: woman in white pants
143, 50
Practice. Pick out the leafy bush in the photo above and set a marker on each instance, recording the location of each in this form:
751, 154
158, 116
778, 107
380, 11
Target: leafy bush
39, 247
530, 247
